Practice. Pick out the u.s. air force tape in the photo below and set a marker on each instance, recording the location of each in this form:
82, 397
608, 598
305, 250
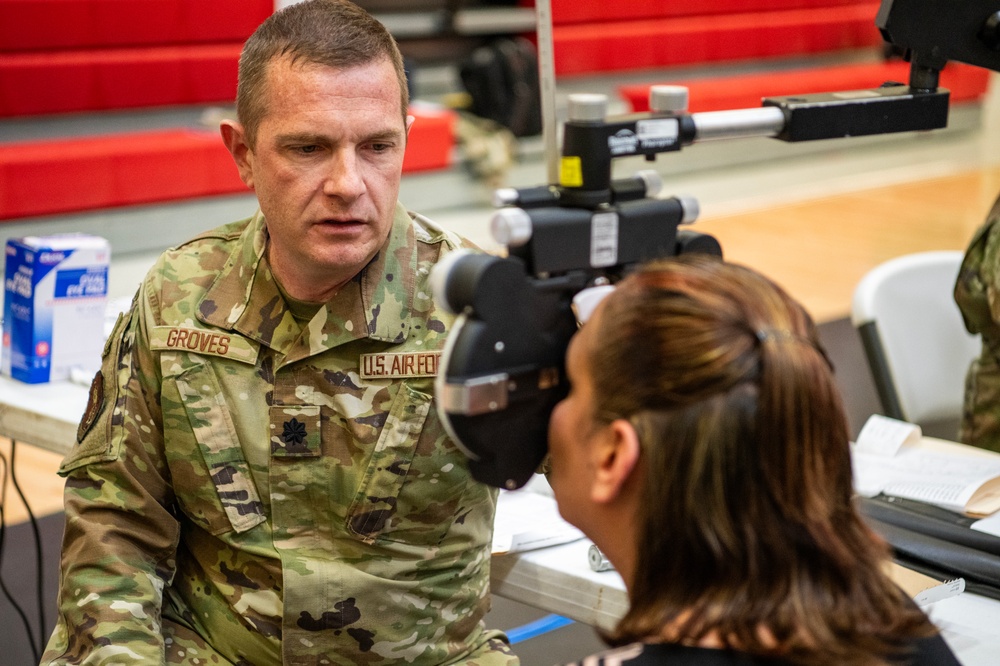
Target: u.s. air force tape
202, 341
400, 365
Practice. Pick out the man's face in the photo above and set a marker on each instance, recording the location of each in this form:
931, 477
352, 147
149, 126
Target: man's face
326, 170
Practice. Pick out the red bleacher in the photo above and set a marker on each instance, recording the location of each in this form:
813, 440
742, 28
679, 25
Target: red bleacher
588, 48
565, 12
48, 25
65, 56
69, 56
39, 83
66, 175
593, 37
62, 56
964, 82
55, 176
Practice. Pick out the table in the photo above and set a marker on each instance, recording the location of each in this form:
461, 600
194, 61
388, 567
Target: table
557, 579
43, 415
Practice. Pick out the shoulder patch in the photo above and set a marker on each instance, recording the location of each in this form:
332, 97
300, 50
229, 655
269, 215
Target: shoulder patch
203, 341
95, 405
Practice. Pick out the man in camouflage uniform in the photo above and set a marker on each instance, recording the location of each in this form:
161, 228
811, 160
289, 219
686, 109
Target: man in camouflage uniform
260, 475
977, 292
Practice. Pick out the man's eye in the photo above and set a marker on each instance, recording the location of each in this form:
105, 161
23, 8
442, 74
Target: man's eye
381, 147
308, 149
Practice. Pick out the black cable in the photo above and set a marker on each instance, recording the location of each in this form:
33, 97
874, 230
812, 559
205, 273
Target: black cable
930, 520
973, 565
971, 586
3, 586
39, 560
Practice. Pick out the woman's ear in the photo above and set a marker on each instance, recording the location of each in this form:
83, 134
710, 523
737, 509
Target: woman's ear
617, 455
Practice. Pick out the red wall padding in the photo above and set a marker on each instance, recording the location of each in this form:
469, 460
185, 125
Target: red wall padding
75, 24
76, 174
58, 176
431, 140
585, 11
39, 83
629, 45
965, 82
99, 80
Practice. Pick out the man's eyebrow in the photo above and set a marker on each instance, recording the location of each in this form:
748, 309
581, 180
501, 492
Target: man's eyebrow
391, 134
384, 135
300, 137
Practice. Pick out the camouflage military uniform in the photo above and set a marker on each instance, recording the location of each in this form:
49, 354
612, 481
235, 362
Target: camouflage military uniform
977, 292
241, 493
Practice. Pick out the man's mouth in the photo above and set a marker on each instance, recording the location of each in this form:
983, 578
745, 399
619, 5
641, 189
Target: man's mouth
341, 223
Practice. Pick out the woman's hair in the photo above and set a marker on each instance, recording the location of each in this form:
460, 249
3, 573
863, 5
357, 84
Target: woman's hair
333, 33
747, 521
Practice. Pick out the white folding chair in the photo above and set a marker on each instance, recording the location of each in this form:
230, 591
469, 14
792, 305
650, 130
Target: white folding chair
914, 337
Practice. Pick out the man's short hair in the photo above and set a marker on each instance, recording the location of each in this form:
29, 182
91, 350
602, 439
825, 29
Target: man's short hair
333, 33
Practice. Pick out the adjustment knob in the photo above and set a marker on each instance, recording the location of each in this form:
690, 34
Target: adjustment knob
511, 227
587, 107
668, 99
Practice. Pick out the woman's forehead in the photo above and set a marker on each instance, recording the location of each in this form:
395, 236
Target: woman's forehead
586, 336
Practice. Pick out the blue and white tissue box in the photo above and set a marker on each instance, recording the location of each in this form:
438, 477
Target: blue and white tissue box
55, 294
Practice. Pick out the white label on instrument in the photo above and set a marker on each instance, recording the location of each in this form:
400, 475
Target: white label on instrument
603, 240
657, 133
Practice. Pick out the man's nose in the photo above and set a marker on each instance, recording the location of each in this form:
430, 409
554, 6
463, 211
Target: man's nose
344, 178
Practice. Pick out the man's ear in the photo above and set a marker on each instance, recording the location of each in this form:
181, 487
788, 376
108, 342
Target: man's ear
617, 456
235, 139
409, 124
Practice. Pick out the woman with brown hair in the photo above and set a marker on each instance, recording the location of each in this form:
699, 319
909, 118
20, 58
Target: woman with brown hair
704, 449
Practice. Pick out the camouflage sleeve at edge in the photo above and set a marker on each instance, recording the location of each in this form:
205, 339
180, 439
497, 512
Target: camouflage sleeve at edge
121, 537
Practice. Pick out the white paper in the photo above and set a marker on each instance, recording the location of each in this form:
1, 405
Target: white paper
921, 474
945, 590
884, 436
989, 525
526, 520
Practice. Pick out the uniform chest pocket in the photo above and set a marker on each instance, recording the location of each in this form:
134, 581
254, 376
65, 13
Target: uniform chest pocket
413, 487
211, 474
